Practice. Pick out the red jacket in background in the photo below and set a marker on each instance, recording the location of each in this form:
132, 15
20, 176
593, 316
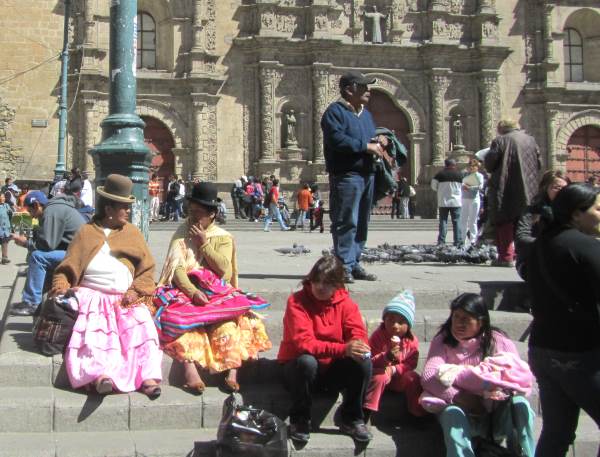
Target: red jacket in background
320, 328
380, 344
305, 199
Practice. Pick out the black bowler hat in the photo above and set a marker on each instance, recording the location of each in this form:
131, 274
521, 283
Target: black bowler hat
204, 193
355, 77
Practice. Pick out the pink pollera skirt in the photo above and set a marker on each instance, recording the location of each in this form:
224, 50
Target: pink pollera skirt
108, 340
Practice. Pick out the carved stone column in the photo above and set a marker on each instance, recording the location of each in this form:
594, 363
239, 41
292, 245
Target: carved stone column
204, 155
438, 83
198, 42
320, 74
548, 39
490, 106
89, 123
438, 5
417, 144
88, 18
487, 6
552, 110
269, 78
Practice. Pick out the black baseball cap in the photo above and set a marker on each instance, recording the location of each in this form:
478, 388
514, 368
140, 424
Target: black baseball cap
355, 77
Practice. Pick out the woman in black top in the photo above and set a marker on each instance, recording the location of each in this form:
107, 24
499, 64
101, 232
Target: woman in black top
564, 346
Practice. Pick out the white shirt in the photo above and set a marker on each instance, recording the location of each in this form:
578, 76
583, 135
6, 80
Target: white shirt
105, 273
87, 193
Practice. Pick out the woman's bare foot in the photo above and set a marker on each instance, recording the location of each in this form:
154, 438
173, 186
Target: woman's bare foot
151, 388
193, 381
231, 380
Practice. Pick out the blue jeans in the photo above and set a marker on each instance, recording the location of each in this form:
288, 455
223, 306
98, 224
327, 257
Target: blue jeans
274, 213
568, 382
455, 216
351, 198
459, 429
39, 263
301, 218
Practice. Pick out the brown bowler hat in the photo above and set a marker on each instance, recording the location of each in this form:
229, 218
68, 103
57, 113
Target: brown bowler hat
117, 188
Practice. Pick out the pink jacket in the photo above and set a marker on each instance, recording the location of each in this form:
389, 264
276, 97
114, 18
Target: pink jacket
503, 370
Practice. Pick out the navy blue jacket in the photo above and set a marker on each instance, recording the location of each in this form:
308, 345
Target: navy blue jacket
345, 139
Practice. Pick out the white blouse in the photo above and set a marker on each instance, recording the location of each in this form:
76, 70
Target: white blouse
105, 273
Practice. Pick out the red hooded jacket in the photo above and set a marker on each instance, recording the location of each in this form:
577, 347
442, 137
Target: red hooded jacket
380, 344
320, 328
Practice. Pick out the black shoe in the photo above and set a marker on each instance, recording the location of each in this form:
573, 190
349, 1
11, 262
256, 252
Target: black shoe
357, 430
361, 274
300, 431
348, 278
23, 309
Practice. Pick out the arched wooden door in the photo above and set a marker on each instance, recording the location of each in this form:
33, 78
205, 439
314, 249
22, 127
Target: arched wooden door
387, 114
584, 154
160, 141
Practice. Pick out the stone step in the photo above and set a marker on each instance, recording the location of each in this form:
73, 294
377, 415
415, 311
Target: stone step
404, 439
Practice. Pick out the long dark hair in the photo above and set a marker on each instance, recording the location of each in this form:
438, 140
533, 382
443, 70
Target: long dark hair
574, 197
328, 270
474, 305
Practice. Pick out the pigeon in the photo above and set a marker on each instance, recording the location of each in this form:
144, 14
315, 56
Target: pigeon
296, 249
417, 253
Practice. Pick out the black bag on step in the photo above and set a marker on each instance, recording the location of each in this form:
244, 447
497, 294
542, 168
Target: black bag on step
53, 327
250, 432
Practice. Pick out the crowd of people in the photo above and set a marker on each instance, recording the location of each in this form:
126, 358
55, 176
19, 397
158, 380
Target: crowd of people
474, 382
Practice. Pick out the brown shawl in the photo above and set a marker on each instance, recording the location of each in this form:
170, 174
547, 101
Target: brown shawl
127, 244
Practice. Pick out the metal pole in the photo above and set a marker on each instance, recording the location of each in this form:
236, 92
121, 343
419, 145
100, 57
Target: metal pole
59, 170
122, 149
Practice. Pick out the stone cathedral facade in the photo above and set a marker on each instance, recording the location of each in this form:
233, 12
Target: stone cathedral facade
238, 87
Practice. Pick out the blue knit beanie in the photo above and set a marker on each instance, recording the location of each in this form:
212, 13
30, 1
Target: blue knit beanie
403, 304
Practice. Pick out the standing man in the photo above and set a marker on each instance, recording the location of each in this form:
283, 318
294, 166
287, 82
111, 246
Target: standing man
351, 149
514, 166
87, 191
448, 185
154, 192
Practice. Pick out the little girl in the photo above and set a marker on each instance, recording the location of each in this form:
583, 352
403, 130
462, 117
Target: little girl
395, 353
5, 227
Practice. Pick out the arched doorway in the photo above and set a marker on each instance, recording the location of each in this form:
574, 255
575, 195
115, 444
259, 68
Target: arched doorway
387, 114
160, 141
584, 154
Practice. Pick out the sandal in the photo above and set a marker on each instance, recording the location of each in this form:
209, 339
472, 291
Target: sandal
104, 386
152, 391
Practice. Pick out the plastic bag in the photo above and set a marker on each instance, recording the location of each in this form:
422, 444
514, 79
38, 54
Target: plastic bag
250, 432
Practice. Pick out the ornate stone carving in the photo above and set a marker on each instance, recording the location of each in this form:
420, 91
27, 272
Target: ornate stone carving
489, 30
439, 83
205, 137
269, 78
286, 23
490, 106
290, 129
456, 6
211, 26
552, 110
320, 76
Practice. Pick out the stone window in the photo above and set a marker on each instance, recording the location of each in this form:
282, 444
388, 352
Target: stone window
573, 52
146, 41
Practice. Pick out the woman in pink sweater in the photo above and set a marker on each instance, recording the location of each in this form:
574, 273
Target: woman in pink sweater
464, 387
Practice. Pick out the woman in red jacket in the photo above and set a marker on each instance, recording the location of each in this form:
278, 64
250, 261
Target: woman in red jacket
325, 343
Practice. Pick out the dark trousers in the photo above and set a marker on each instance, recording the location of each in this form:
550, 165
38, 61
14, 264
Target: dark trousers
303, 378
396, 208
568, 382
455, 216
235, 201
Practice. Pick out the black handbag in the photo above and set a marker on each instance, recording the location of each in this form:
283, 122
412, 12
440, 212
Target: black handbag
251, 432
53, 327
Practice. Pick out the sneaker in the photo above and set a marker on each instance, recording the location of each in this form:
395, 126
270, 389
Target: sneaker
23, 309
348, 278
266, 230
300, 431
357, 430
286, 229
361, 274
5, 260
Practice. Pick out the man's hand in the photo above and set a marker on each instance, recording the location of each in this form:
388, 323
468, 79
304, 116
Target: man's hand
374, 149
20, 240
198, 235
356, 349
383, 140
199, 298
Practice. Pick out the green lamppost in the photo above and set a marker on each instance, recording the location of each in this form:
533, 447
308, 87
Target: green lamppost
122, 149
59, 169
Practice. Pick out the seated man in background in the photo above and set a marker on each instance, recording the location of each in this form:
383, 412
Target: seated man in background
59, 220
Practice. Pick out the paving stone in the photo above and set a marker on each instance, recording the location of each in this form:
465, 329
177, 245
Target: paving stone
27, 445
26, 409
81, 412
90, 444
